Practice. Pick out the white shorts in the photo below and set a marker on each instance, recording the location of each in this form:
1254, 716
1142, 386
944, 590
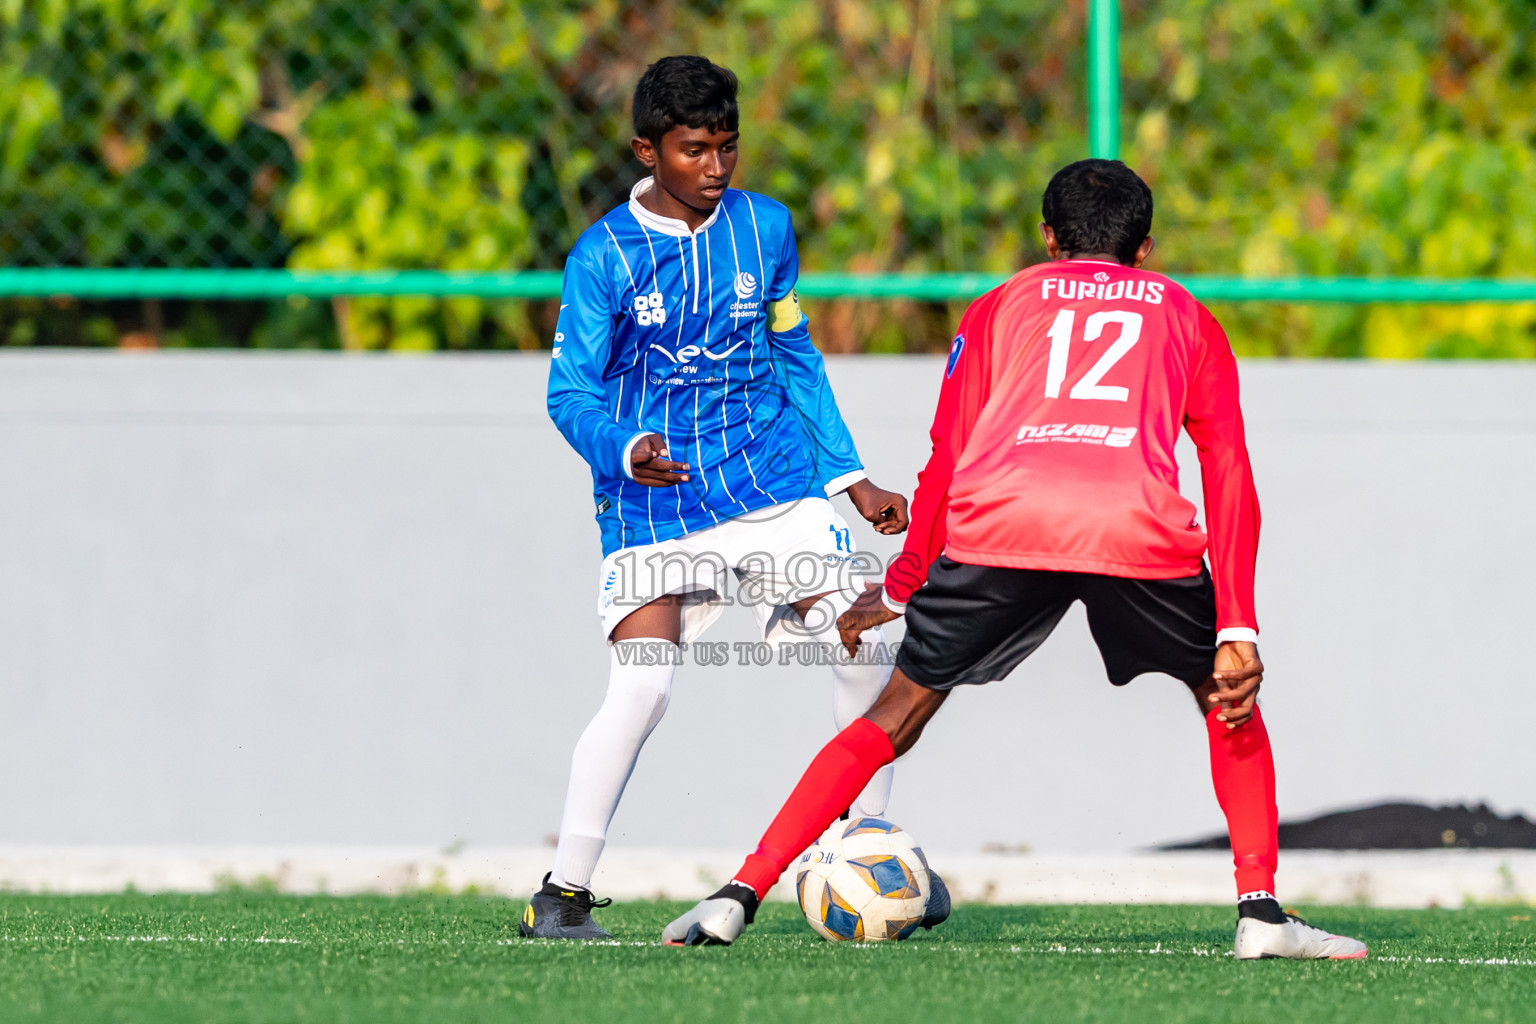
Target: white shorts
776, 556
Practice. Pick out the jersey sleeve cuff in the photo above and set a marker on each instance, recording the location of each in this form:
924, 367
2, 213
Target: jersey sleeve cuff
629, 467
1237, 633
899, 607
838, 484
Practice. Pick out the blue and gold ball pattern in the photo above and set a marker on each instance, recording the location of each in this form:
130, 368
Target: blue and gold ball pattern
838, 917
864, 881
887, 876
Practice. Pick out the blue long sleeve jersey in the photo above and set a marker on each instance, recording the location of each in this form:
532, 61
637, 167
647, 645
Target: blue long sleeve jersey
696, 336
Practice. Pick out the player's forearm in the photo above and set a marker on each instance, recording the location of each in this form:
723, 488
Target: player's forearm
588, 428
961, 398
909, 570
928, 531
1232, 576
925, 536
1215, 424
1232, 524
1236, 618
844, 481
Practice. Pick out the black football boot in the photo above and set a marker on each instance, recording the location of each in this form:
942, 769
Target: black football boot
937, 910
556, 913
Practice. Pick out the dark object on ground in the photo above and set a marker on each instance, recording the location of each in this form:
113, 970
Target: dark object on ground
1399, 826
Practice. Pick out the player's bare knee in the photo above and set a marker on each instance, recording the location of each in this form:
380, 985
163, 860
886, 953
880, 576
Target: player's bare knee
903, 709
1202, 695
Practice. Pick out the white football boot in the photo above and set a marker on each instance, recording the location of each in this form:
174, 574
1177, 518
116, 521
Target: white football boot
1292, 940
716, 921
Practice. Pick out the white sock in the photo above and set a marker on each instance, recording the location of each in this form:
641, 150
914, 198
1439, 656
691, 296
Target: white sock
858, 684
857, 687
605, 756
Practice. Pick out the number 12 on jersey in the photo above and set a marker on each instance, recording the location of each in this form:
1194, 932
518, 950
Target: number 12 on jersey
1061, 339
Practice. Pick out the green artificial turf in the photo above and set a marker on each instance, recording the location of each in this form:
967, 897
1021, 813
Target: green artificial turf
263, 957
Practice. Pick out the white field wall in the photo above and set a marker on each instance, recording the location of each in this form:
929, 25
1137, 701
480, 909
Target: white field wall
257, 599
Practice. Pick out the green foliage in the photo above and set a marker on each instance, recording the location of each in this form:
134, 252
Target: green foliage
1310, 137
1295, 137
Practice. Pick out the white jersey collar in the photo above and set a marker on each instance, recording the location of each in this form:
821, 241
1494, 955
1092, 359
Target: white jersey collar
656, 222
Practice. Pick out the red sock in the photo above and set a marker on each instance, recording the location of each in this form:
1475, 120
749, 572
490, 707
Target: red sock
837, 775
1243, 770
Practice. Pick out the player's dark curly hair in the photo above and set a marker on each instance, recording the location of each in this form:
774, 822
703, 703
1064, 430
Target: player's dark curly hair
1098, 206
689, 91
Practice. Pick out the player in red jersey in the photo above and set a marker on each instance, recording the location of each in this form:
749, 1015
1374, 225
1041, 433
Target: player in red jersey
1053, 480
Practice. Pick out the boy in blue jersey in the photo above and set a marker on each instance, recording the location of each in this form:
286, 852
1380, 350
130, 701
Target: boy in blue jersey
683, 373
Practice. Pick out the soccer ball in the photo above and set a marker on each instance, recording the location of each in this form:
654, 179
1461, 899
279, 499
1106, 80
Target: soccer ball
865, 880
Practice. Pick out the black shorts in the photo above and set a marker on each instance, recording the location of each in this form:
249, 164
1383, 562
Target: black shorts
975, 623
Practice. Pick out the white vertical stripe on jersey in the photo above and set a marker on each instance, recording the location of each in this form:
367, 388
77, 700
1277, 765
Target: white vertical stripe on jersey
708, 330
666, 440
709, 310
640, 352
655, 282
650, 515
762, 275
724, 395
753, 474
632, 286
709, 276
682, 314
650, 520
730, 226
694, 237
698, 459
618, 404
725, 444
618, 506
762, 272
620, 250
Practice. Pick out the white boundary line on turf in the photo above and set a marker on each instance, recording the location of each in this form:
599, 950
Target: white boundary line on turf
144, 938
1490, 962
1058, 950
1160, 950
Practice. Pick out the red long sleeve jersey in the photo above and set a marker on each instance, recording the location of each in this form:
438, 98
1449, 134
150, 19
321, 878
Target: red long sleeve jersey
1053, 443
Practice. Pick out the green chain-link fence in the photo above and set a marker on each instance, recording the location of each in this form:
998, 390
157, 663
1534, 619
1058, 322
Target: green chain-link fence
909, 137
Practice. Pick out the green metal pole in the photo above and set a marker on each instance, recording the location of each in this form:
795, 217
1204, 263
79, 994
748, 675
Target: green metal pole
1104, 79
104, 283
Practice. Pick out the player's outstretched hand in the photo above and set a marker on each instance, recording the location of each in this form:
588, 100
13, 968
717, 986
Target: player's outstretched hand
886, 509
648, 462
867, 613
1238, 675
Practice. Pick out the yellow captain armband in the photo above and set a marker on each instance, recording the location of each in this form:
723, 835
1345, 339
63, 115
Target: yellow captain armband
784, 315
